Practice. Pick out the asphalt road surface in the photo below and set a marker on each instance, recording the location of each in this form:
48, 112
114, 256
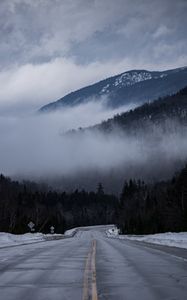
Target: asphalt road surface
90, 266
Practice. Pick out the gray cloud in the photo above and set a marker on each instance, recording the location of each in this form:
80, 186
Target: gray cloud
37, 144
102, 36
41, 30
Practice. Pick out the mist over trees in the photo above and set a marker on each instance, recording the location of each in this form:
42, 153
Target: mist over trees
161, 113
131, 144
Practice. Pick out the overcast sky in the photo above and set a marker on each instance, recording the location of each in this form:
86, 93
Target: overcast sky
51, 47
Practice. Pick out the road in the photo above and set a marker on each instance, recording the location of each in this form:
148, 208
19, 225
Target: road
90, 266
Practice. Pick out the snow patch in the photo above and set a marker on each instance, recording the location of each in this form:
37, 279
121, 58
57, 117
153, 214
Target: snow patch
127, 79
105, 89
113, 232
162, 75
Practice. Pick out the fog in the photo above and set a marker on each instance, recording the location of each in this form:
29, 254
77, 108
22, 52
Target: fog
36, 147
35, 144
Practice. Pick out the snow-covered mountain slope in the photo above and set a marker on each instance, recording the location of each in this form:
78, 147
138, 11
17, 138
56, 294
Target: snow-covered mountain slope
136, 86
130, 78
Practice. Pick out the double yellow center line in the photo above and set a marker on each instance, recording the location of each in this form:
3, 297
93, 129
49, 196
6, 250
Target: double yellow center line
90, 285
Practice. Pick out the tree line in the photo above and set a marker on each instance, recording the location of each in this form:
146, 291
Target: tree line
141, 208
151, 208
21, 203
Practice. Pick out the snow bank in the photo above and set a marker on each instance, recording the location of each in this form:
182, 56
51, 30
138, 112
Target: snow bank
171, 239
70, 232
77, 230
113, 232
8, 239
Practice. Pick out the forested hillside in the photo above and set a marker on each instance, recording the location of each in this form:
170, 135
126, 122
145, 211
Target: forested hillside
161, 113
149, 142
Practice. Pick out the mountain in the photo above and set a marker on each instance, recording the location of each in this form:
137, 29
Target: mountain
136, 86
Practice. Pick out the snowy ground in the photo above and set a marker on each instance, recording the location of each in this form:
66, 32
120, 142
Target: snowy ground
8, 239
171, 239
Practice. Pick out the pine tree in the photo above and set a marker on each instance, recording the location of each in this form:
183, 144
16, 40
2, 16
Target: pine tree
100, 190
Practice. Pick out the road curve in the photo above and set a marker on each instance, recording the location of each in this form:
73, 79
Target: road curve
90, 266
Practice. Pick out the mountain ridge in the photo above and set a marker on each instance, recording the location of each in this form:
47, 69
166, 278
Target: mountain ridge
134, 86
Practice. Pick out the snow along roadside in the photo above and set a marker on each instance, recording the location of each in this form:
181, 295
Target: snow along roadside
9, 239
172, 239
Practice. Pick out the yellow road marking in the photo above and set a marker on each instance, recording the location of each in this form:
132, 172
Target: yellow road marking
90, 285
86, 279
94, 284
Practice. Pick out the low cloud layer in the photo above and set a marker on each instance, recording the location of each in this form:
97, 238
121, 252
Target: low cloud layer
36, 148
36, 144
